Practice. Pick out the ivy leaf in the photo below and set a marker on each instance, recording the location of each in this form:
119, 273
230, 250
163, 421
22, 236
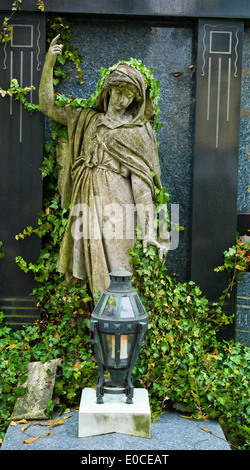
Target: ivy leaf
11, 346
33, 439
56, 422
206, 430
20, 391
170, 338
25, 427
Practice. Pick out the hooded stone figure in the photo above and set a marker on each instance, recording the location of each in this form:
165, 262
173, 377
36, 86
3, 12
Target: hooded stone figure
107, 171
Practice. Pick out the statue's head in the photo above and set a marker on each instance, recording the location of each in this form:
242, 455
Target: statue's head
129, 82
123, 98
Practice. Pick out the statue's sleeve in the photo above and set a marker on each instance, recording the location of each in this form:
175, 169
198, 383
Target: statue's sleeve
65, 156
68, 149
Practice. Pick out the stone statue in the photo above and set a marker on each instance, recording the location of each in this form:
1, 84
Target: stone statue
107, 171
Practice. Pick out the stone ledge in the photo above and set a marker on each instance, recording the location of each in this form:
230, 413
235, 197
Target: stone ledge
170, 433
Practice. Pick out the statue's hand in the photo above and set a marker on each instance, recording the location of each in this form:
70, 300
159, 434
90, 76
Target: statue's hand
162, 250
54, 50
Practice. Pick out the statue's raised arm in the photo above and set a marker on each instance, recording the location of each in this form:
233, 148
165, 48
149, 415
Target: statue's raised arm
46, 89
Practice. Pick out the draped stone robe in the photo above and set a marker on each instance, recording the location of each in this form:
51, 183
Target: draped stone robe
100, 159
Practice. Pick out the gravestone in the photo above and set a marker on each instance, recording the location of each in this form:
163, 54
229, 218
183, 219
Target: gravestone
168, 46
22, 135
242, 310
216, 151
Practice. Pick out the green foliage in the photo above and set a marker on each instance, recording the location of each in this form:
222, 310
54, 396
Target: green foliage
64, 329
64, 336
147, 72
236, 260
182, 361
40, 5
16, 5
237, 257
6, 30
2, 253
20, 95
56, 25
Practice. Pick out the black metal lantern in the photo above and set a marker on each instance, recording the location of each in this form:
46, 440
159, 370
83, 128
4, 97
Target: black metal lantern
118, 328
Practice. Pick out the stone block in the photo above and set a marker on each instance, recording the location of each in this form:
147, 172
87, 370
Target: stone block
40, 383
114, 415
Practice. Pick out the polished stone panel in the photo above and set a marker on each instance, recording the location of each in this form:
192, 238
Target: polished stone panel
242, 314
22, 135
216, 151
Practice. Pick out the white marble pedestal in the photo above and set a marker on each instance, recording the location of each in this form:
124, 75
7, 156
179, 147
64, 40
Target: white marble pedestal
114, 415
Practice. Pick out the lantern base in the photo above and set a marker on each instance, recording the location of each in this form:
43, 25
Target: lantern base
118, 377
127, 390
114, 415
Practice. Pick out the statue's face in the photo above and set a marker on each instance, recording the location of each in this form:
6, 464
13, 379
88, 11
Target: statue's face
120, 98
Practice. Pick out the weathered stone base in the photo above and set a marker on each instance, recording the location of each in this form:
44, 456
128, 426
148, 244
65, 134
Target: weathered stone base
114, 415
40, 384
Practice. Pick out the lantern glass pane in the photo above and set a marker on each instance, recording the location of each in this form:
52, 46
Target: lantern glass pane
108, 341
100, 349
99, 304
126, 349
118, 349
110, 308
126, 308
139, 305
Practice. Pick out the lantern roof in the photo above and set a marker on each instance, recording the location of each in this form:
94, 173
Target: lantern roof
120, 272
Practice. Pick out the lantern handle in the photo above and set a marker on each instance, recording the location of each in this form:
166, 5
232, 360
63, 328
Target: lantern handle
142, 333
92, 332
93, 339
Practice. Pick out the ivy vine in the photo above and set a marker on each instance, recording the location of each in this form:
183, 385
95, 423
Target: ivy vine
20, 95
55, 25
6, 30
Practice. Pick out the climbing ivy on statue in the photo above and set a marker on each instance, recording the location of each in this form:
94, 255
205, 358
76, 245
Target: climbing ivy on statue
147, 72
